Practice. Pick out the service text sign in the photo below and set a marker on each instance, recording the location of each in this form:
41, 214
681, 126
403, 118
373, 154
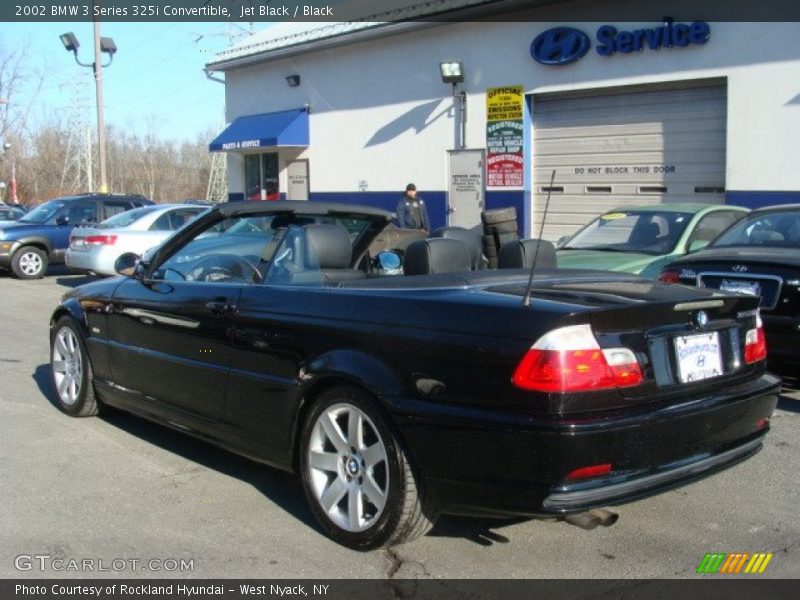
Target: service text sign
504, 135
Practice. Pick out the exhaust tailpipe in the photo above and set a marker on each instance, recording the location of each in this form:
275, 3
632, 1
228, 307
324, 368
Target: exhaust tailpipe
607, 518
583, 520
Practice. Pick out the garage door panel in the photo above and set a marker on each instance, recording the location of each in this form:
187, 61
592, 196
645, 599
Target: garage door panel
630, 148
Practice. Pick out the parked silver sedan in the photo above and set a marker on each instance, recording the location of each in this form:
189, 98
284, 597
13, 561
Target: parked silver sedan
95, 249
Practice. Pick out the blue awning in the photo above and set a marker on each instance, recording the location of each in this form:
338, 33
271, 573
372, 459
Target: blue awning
284, 128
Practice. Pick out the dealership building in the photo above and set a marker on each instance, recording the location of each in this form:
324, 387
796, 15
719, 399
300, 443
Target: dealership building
595, 113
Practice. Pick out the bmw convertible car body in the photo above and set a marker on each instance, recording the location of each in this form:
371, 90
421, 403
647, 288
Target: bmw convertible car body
262, 329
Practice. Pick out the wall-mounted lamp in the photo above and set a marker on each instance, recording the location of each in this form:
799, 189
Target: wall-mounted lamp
453, 72
293, 80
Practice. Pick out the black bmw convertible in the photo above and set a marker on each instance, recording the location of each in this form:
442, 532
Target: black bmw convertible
439, 387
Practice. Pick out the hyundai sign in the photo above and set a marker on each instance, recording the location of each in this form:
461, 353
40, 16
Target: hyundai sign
564, 45
559, 46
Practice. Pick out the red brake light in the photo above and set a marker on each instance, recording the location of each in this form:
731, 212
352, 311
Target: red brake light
100, 240
669, 276
755, 343
569, 359
591, 471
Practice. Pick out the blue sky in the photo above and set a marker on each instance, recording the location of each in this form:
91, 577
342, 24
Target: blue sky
155, 83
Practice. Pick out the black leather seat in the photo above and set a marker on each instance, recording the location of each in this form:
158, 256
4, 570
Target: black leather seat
436, 255
321, 254
519, 255
470, 238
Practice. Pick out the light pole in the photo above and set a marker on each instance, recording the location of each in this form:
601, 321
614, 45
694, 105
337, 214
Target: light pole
101, 44
453, 72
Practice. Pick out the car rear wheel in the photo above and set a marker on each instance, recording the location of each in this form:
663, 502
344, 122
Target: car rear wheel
71, 371
357, 478
29, 262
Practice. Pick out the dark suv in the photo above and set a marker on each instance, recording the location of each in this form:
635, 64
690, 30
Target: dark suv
41, 237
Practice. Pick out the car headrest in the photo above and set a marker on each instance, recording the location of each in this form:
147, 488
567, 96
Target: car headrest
519, 254
436, 255
329, 244
762, 237
467, 236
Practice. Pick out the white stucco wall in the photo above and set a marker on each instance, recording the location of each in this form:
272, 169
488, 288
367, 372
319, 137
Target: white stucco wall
380, 112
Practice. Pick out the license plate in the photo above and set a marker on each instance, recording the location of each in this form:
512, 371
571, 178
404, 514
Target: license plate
751, 288
698, 356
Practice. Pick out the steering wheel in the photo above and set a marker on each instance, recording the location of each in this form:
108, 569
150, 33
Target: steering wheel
223, 267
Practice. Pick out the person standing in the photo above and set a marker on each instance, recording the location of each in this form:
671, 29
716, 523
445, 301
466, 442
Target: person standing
411, 211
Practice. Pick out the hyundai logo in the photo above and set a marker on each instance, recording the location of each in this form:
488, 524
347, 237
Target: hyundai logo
559, 46
701, 318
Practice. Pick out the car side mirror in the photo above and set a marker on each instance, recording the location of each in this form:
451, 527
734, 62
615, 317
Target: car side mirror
128, 264
697, 245
62, 220
562, 240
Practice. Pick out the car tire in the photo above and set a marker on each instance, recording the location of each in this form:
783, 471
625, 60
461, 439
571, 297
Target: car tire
357, 478
29, 262
70, 370
499, 215
502, 227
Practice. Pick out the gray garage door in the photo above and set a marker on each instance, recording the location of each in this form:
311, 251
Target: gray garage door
621, 149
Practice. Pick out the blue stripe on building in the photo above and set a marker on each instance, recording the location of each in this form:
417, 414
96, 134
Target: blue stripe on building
759, 199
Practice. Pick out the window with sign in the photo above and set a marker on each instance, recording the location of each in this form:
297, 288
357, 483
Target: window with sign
261, 176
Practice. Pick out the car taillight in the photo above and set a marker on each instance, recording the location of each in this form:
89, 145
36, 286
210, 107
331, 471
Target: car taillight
669, 276
755, 343
569, 359
590, 471
100, 240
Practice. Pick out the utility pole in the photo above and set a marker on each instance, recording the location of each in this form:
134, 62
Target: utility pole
101, 117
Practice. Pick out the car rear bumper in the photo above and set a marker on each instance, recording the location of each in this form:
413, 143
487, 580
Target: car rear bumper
507, 464
92, 260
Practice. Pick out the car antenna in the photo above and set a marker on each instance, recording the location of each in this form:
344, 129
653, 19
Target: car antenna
526, 299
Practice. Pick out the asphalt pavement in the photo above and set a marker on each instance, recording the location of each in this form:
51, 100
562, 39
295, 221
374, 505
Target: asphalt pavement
117, 488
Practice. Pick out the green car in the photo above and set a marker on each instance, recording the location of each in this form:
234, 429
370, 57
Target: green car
642, 239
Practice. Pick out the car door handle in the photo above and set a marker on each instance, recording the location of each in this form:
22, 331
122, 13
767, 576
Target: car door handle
221, 306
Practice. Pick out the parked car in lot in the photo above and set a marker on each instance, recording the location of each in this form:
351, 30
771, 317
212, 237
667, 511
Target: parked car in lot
41, 237
759, 256
96, 249
10, 214
262, 328
643, 239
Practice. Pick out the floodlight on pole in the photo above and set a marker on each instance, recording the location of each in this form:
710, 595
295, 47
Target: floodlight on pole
102, 45
452, 72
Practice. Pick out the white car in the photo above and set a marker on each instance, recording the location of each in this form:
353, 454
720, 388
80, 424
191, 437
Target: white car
95, 249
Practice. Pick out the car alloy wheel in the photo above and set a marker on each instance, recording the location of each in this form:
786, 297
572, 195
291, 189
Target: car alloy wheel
71, 370
357, 477
67, 366
348, 467
29, 263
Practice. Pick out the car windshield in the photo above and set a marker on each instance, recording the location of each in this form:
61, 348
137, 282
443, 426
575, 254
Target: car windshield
124, 219
647, 232
779, 229
44, 212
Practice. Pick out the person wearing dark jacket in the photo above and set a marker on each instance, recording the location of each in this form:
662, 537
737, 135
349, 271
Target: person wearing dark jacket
411, 211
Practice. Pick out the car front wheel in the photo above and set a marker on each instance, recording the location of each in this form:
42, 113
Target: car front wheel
70, 370
357, 478
29, 263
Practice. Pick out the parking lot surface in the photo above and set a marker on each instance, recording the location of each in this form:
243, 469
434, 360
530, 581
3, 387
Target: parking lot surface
117, 487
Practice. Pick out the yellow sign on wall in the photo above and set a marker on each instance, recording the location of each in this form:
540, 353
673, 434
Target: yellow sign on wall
504, 103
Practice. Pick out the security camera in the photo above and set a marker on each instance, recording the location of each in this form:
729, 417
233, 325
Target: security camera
6, 146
